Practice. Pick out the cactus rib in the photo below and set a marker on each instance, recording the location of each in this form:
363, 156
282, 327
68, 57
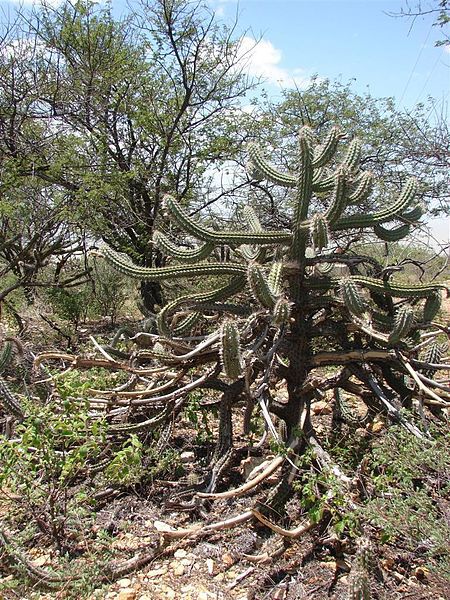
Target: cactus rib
404, 200
391, 235
324, 153
160, 273
221, 237
183, 254
269, 172
230, 352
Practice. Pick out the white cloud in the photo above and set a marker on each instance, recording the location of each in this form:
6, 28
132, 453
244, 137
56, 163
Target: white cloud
263, 59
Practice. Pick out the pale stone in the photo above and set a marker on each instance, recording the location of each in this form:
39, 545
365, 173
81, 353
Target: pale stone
127, 594
219, 577
180, 553
210, 565
124, 583
377, 426
186, 561
187, 457
227, 559
329, 565
322, 408
156, 572
178, 570
40, 561
170, 593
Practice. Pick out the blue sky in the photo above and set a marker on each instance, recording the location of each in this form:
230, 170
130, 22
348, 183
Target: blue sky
344, 39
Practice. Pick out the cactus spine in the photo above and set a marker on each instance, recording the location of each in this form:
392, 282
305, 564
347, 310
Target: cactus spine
403, 322
230, 350
352, 297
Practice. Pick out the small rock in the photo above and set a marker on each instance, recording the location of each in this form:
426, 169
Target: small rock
156, 572
178, 569
227, 559
210, 565
41, 560
170, 593
186, 561
180, 553
127, 594
187, 456
376, 427
322, 408
329, 565
124, 583
219, 577
204, 596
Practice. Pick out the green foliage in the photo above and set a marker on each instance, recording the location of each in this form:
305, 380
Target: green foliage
198, 416
39, 467
125, 467
71, 304
110, 291
412, 482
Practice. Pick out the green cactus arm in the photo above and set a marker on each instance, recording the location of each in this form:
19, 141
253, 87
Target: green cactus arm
260, 287
432, 306
9, 401
268, 171
251, 253
324, 153
281, 312
223, 237
353, 155
230, 351
186, 324
252, 218
5, 355
391, 235
352, 296
275, 278
325, 184
234, 286
363, 188
404, 200
303, 196
123, 265
339, 201
377, 285
183, 254
319, 231
403, 323
413, 215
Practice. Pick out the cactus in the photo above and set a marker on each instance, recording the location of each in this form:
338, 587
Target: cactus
230, 350
9, 401
403, 323
278, 312
352, 297
359, 584
319, 231
432, 306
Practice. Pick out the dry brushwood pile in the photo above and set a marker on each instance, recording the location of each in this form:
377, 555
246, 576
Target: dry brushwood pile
298, 339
